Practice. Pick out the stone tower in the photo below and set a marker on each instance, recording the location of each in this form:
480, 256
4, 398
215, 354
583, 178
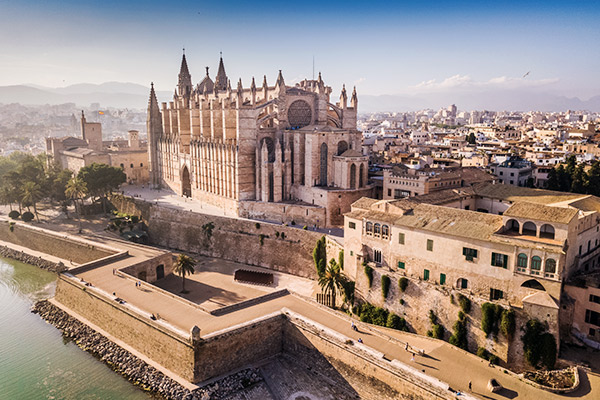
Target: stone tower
221, 78
155, 130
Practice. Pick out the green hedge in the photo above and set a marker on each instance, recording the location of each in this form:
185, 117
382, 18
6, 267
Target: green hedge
385, 285
369, 273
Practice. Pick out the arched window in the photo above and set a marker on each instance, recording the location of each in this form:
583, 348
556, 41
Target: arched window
536, 265
550, 268
377, 230
122, 165
369, 228
385, 231
529, 229
462, 283
547, 231
342, 147
522, 262
141, 164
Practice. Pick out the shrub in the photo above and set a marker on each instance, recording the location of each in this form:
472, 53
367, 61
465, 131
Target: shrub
452, 299
539, 346
461, 316
369, 273
11, 226
135, 219
27, 216
401, 302
465, 303
483, 353
320, 256
14, 214
257, 225
494, 359
403, 284
385, 285
276, 234
508, 324
459, 335
348, 288
432, 317
305, 227
341, 259
282, 235
490, 315
438, 331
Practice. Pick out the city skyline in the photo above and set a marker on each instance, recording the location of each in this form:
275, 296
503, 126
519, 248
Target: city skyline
383, 49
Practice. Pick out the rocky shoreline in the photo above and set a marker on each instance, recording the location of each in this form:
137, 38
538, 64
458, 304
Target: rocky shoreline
135, 370
39, 262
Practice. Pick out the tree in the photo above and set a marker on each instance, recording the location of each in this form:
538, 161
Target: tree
593, 180
579, 180
101, 180
185, 265
320, 256
564, 179
552, 183
32, 193
76, 189
471, 138
539, 346
332, 281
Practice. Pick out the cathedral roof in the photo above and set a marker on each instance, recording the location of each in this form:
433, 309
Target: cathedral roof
221, 78
207, 85
351, 153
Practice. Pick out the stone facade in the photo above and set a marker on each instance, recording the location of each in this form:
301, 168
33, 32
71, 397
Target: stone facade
273, 144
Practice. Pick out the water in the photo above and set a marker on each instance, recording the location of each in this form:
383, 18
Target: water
35, 361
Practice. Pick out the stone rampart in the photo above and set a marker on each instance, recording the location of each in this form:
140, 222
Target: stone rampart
282, 248
148, 337
51, 243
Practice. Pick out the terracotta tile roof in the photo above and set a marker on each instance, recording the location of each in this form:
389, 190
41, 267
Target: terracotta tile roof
540, 212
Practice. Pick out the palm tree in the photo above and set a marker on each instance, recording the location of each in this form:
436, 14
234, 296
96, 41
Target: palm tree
32, 193
332, 281
76, 190
185, 265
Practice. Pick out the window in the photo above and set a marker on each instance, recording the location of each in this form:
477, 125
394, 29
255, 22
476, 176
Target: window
536, 265
351, 225
466, 207
377, 256
131, 165
462, 283
123, 166
592, 317
401, 238
369, 228
429, 245
522, 262
351, 253
469, 254
385, 232
389, 192
499, 260
401, 265
377, 230
496, 294
550, 269
594, 298
442, 279
426, 275
141, 164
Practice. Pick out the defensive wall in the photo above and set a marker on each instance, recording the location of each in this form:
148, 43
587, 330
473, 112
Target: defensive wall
52, 243
419, 297
281, 248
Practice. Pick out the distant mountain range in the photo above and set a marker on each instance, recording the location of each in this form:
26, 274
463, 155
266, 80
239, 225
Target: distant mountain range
131, 95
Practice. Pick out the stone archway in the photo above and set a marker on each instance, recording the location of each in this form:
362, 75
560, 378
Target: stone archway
186, 183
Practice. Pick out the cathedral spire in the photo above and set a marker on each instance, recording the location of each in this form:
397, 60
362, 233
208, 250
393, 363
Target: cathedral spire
221, 78
343, 98
155, 130
280, 80
185, 79
354, 99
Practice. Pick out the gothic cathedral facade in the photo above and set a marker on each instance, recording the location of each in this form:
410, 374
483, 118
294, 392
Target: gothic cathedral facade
280, 153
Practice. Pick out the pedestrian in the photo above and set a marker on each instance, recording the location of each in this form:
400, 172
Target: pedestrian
352, 325
139, 283
469, 386
360, 340
412, 357
406, 347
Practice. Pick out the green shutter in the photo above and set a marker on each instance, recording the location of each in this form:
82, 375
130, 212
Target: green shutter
505, 263
493, 260
474, 253
400, 265
442, 279
426, 275
464, 251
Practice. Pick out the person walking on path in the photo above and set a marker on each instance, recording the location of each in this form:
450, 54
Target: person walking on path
469, 386
406, 347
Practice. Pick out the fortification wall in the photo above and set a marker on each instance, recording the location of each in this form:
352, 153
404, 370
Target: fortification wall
51, 243
419, 298
143, 334
239, 347
371, 377
239, 240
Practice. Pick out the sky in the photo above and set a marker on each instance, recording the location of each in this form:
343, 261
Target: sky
381, 47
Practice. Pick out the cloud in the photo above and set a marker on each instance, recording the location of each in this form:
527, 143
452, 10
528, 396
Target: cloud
466, 83
359, 81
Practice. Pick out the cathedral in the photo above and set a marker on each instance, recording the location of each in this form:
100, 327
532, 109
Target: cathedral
273, 152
